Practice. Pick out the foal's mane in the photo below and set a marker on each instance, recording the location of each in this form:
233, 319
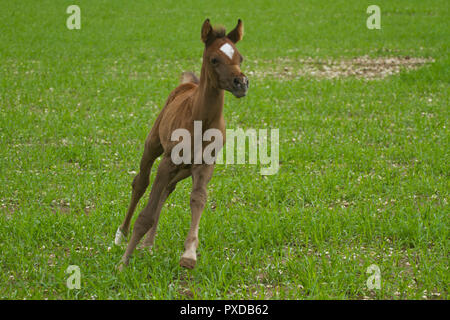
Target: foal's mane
219, 31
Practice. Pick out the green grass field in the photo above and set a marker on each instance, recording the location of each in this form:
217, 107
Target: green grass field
364, 163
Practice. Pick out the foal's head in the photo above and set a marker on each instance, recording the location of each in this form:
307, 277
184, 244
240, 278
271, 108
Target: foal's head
222, 60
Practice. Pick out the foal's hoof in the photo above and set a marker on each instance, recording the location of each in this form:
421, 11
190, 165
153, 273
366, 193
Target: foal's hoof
188, 263
122, 264
119, 237
120, 267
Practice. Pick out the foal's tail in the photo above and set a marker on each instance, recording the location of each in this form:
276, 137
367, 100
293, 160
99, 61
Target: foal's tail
188, 76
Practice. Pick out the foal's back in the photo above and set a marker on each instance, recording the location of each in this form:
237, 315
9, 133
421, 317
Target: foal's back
176, 114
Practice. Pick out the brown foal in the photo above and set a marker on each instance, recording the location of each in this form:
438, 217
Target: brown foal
194, 100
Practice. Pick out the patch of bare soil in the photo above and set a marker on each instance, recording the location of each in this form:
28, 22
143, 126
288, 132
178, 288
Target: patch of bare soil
8, 207
363, 67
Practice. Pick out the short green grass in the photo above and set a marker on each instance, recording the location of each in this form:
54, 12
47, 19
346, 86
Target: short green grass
364, 165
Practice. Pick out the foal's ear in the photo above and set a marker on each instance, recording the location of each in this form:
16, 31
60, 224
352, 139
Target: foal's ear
207, 31
237, 33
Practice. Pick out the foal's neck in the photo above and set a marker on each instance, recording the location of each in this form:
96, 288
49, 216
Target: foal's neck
208, 100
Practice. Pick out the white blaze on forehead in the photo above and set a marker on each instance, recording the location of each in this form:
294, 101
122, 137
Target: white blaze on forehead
228, 50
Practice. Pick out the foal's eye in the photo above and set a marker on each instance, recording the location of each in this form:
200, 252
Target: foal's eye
214, 61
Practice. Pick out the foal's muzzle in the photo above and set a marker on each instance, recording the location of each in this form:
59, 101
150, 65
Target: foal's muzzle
240, 86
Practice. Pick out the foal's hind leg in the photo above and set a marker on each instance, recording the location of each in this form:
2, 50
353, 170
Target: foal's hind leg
140, 183
150, 236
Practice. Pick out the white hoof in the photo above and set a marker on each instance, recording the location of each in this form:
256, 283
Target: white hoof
188, 260
188, 263
119, 237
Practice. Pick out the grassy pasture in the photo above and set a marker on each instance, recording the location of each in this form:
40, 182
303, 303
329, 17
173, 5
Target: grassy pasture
364, 163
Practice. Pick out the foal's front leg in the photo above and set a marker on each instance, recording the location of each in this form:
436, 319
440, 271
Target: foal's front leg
201, 175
